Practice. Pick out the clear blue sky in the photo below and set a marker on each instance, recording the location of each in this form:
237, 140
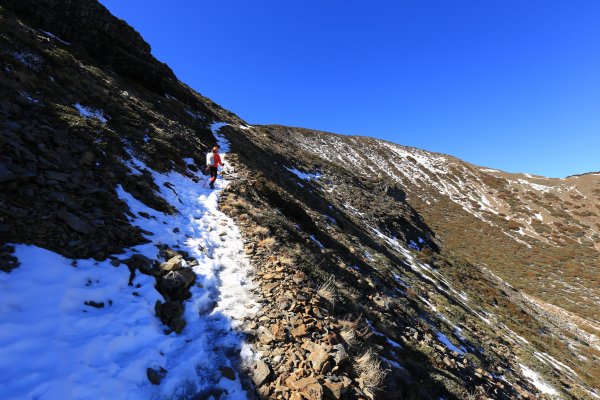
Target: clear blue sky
507, 84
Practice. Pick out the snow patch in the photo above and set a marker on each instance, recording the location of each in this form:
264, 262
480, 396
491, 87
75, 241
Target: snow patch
444, 339
53, 36
89, 112
535, 379
303, 175
55, 346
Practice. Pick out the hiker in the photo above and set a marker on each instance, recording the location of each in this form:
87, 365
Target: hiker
213, 160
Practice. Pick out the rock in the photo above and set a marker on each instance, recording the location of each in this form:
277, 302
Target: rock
57, 176
87, 158
264, 335
318, 357
155, 376
261, 373
449, 362
301, 383
333, 390
340, 356
173, 264
5, 174
170, 313
75, 223
228, 373
140, 262
312, 392
299, 331
178, 280
295, 396
94, 304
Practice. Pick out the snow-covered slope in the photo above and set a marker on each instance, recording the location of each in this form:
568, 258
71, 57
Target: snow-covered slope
378, 270
75, 328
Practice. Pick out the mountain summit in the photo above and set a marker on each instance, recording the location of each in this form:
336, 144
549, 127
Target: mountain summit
322, 266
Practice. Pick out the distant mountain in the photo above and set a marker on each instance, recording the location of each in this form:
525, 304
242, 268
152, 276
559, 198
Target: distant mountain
322, 266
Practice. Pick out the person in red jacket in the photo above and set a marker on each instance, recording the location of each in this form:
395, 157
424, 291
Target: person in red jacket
213, 160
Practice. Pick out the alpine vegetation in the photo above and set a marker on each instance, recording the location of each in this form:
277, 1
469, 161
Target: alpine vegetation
154, 245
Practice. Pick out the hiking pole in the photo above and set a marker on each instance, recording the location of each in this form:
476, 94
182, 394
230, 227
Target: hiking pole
206, 169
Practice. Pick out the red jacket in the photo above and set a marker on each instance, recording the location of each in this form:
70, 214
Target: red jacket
215, 158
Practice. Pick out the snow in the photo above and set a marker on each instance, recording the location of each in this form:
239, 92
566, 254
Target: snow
536, 186
535, 379
376, 332
548, 359
194, 115
444, 339
303, 175
89, 112
54, 346
314, 239
53, 36
29, 98
30, 60
539, 216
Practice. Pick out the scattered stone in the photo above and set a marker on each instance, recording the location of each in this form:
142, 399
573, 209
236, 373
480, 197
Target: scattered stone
318, 357
299, 331
333, 390
173, 264
261, 373
75, 223
94, 304
228, 373
156, 376
264, 335
141, 263
178, 280
340, 356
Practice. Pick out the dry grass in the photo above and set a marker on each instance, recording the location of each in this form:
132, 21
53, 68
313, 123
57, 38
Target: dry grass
354, 330
348, 331
327, 290
286, 260
225, 208
259, 231
267, 243
370, 370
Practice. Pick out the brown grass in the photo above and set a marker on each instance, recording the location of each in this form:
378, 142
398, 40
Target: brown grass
370, 371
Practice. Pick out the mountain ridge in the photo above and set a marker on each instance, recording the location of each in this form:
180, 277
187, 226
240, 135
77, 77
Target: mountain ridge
391, 282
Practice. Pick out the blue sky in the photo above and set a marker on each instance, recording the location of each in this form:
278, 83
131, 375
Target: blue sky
513, 85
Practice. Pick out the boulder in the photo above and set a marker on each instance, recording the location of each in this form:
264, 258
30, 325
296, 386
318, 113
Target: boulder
75, 223
155, 376
261, 374
340, 356
179, 280
173, 264
317, 358
141, 263
333, 390
228, 373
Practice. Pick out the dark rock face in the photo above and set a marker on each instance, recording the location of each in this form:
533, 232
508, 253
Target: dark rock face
60, 169
109, 41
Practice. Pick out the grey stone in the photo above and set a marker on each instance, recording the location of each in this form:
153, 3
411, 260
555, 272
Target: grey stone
75, 223
261, 373
155, 376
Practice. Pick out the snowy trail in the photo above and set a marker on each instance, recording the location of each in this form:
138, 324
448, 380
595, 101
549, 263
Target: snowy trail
54, 346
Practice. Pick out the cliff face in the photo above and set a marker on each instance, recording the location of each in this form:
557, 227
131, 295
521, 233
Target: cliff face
81, 92
109, 41
377, 270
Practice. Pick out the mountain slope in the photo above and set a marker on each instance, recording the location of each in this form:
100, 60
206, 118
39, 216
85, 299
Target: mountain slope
377, 271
